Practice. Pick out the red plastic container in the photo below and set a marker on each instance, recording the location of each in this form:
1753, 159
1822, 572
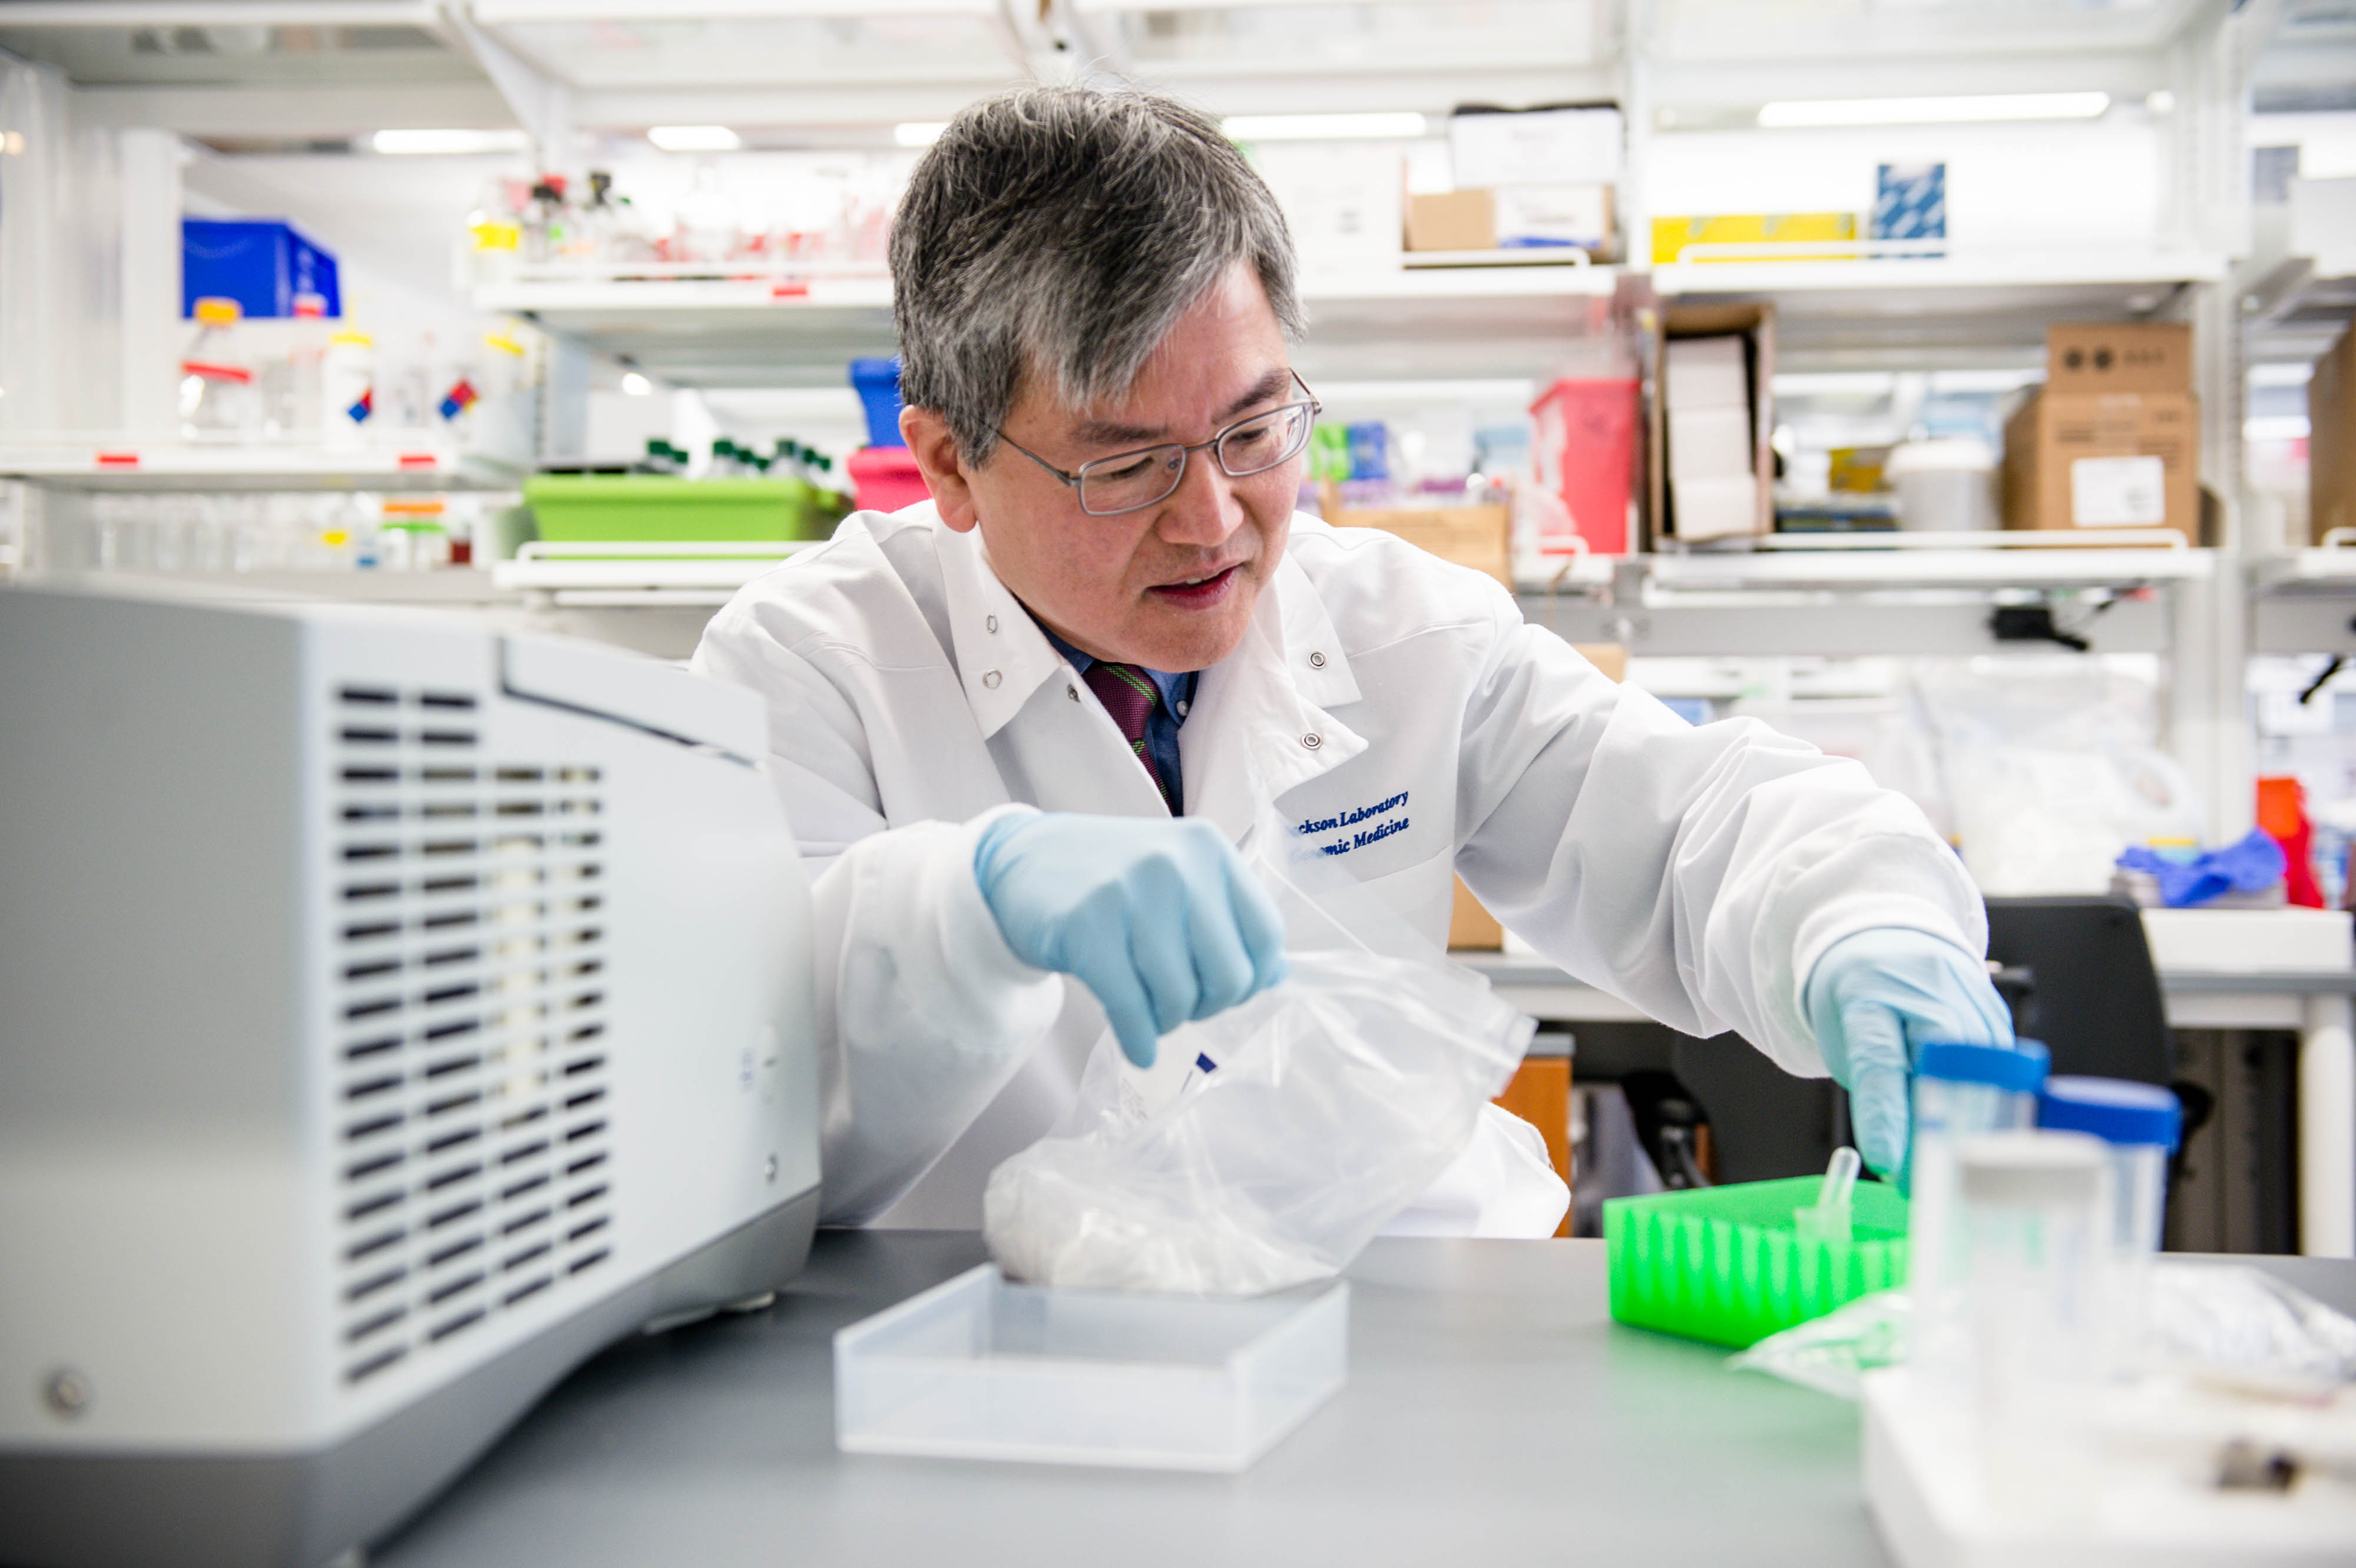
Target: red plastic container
885, 478
1585, 451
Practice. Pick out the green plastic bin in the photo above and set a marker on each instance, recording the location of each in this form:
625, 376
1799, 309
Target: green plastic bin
1727, 1264
633, 508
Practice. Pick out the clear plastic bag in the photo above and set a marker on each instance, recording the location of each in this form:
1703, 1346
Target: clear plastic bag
1831, 1353
2228, 1325
1273, 1140
2240, 1328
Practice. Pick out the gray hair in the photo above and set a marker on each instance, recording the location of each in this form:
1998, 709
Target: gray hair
1061, 233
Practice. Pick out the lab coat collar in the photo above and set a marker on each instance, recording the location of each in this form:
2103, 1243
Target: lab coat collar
1260, 722
1001, 655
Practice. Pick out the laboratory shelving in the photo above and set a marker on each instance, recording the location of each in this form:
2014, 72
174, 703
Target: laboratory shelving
104, 461
1433, 321
1961, 307
629, 575
809, 69
2304, 601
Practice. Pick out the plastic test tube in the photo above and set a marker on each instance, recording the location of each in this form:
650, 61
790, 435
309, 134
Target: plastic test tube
2033, 1219
1960, 1091
2140, 1125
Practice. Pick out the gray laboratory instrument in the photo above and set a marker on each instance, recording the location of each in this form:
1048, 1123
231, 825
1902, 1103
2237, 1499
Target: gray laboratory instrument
392, 1013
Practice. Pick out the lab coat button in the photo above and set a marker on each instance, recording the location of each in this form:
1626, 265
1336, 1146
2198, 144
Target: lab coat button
990, 623
1073, 692
990, 678
1312, 740
1317, 662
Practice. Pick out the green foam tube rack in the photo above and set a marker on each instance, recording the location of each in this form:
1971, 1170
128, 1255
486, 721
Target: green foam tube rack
1726, 1264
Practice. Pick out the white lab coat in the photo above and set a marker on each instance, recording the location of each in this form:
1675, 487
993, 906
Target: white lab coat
1398, 705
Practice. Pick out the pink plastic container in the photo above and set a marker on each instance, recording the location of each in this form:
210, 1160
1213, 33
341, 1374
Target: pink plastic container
1585, 449
885, 478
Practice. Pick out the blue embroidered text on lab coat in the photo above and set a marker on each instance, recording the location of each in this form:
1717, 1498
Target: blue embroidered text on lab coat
1360, 840
1351, 818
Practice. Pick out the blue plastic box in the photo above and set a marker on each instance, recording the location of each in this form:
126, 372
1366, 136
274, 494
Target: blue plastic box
261, 263
878, 381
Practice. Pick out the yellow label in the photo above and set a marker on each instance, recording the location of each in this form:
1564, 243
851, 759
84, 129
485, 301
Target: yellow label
496, 236
1858, 469
1793, 236
335, 538
503, 343
215, 312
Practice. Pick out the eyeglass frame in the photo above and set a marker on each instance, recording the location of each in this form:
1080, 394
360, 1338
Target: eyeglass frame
1073, 476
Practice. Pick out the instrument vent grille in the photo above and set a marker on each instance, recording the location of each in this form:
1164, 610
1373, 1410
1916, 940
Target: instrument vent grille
468, 995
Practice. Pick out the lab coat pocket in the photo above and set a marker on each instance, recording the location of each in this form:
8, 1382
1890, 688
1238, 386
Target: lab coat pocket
1424, 894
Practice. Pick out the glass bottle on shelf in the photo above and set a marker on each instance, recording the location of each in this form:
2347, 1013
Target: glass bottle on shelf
348, 389
494, 234
707, 227
546, 221
216, 390
291, 389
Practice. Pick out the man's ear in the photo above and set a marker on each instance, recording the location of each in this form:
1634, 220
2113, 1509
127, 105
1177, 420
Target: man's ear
943, 466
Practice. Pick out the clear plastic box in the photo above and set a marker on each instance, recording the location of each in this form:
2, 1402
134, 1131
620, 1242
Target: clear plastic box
980, 1369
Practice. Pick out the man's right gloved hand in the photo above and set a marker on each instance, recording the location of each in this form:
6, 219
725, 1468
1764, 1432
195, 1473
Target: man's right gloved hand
1159, 919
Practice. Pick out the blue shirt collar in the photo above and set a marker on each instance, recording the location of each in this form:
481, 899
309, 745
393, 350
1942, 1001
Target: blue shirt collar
1176, 690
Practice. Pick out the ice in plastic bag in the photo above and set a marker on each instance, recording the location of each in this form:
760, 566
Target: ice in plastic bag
1272, 1142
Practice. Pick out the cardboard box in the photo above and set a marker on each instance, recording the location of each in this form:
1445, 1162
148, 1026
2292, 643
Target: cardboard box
1697, 510
1713, 508
2125, 356
2110, 461
1480, 537
1709, 443
1489, 147
2331, 438
1707, 372
1470, 928
1571, 217
2323, 223
1455, 220
1345, 200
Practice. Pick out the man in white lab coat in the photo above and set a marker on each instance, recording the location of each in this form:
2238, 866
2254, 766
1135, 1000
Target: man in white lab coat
1018, 728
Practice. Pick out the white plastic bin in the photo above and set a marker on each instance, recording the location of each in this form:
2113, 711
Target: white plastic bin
980, 1369
1943, 487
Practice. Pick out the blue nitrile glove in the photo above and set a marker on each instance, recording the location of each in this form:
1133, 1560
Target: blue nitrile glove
1159, 919
1874, 999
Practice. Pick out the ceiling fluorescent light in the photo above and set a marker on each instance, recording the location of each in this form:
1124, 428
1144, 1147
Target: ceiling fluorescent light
1935, 110
1320, 127
918, 132
694, 138
421, 142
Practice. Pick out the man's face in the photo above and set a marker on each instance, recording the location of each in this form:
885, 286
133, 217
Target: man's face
1170, 586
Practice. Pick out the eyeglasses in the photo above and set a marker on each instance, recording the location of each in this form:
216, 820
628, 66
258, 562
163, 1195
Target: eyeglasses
1132, 482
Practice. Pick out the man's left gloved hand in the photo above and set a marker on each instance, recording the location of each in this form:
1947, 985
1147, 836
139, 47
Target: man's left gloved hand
1874, 999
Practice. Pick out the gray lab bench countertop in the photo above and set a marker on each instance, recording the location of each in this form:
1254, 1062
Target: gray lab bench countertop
1494, 1414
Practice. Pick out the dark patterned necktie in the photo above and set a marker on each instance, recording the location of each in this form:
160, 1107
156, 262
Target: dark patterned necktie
1129, 695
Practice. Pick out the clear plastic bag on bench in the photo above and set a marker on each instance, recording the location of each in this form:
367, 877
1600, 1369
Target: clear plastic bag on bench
1270, 1142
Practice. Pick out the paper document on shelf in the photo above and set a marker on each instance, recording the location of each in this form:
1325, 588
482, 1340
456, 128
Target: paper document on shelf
2118, 492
